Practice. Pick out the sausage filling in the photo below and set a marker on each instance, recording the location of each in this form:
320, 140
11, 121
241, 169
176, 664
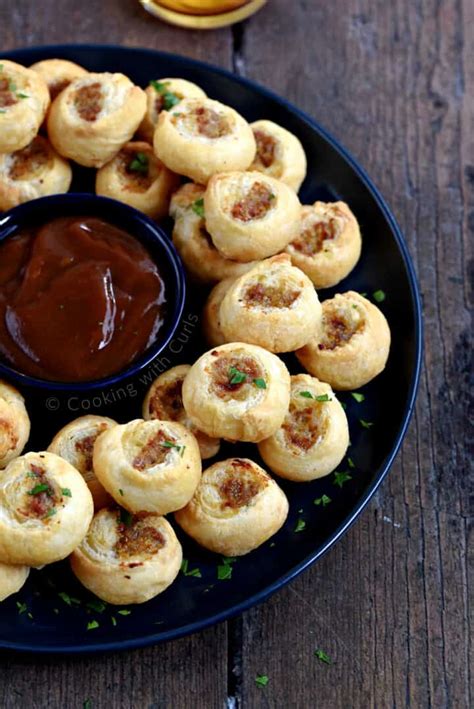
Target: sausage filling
232, 376
153, 452
29, 161
7, 96
266, 146
255, 204
41, 499
313, 237
134, 167
338, 330
206, 122
88, 101
302, 426
240, 485
138, 538
85, 446
261, 295
167, 402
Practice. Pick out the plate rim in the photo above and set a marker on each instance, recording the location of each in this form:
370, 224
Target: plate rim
269, 590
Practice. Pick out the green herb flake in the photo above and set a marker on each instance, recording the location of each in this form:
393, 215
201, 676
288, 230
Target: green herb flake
224, 572
50, 513
87, 704
2, 110
198, 207
183, 448
260, 383
121, 491
126, 518
169, 98
379, 296
113, 621
38, 489
21, 95
229, 559
22, 607
324, 500
358, 396
323, 397
68, 600
366, 424
350, 463
321, 655
96, 605
11, 86
306, 395
139, 163
341, 478
261, 680
92, 625
236, 376
300, 525
196, 573
171, 444
66, 492
124, 611
160, 86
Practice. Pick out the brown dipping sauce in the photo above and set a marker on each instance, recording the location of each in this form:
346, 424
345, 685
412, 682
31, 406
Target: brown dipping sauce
80, 299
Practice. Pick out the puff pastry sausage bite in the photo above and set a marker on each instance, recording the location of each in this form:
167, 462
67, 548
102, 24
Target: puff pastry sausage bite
12, 579
250, 216
202, 137
203, 262
24, 100
127, 558
45, 509
329, 243
274, 305
236, 508
75, 443
237, 391
94, 117
279, 154
58, 74
14, 424
34, 171
151, 466
164, 401
164, 95
136, 176
352, 346
211, 319
314, 436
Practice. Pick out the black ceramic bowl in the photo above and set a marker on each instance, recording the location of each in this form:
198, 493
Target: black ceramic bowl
147, 232
60, 614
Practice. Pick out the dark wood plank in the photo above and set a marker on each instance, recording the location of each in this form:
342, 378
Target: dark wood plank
390, 603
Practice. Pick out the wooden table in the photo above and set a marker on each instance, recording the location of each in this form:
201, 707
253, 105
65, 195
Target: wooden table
394, 81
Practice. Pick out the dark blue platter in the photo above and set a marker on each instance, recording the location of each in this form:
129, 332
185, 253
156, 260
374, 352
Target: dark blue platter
53, 612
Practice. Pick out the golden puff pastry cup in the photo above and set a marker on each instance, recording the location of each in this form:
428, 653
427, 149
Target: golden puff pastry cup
164, 95
164, 402
24, 100
314, 436
35, 171
151, 466
203, 262
279, 154
127, 558
136, 176
274, 305
14, 424
237, 391
93, 117
201, 137
329, 243
235, 509
352, 346
250, 216
58, 74
211, 320
75, 443
45, 509
12, 579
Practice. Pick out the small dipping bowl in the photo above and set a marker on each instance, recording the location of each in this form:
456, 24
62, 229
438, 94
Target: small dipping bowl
137, 225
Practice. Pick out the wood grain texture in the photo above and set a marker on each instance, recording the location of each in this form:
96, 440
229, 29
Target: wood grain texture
394, 81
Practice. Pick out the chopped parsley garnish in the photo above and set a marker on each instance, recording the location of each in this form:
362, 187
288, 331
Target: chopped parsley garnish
224, 570
236, 376
50, 513
306, 394
66, 492
379, 296
323, 397
124, 611
357, 396
198, 207
68, 600
350, 463
140, 163
190, 572
113, 621
261, 680
38, 489
121, 491
260, 383
319, 397
169, 98
22, 607
126, 517
92, 625
323, 500
171, 444
21, 95
321, 655
2, 110
11, 86
300, 525
341, 478
96, 605
366, 424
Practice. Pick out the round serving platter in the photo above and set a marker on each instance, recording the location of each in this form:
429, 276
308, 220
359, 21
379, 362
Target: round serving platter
53, 613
